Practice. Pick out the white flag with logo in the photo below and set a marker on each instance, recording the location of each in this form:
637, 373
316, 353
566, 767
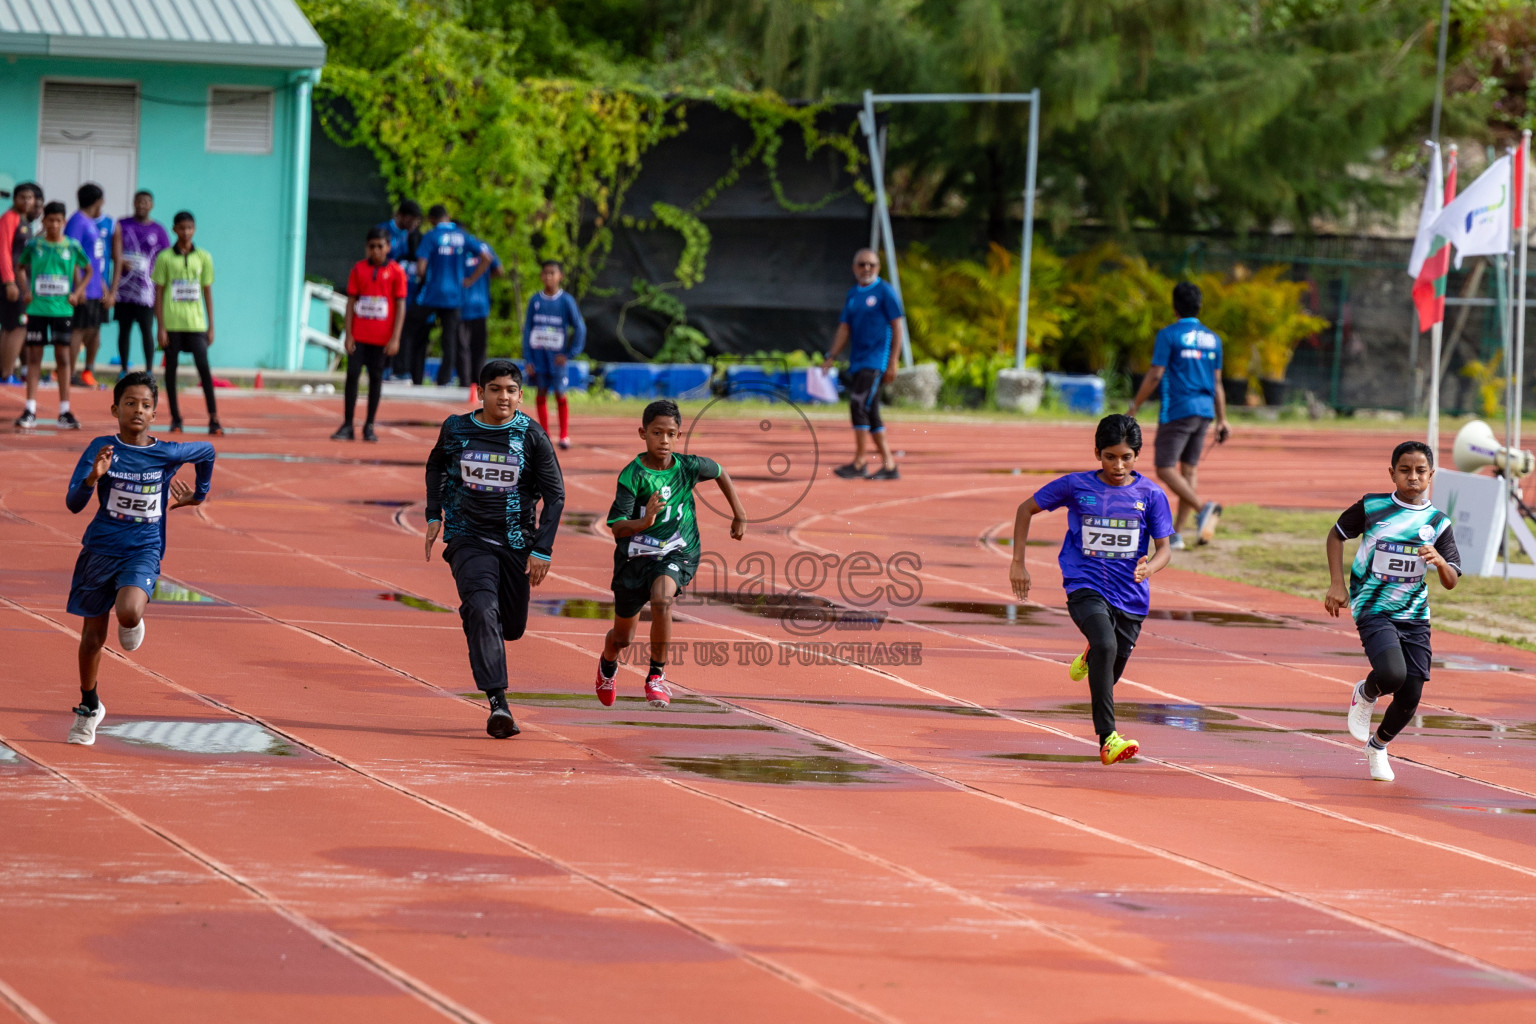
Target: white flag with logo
1477, 221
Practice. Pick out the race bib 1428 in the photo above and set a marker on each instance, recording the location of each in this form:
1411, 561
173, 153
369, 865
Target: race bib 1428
1111, 538
489, 471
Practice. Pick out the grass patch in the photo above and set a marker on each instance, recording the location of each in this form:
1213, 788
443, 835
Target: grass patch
1282, 549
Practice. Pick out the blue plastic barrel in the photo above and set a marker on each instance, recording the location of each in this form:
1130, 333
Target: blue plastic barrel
683, 380
1081, 392
756, 382
630, 380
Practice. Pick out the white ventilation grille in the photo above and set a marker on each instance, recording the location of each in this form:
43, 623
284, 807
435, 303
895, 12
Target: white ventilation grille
99, 116
240, 121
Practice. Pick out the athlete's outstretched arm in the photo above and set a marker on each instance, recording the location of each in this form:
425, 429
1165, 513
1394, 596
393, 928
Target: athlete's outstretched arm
1018, 575
94, 463
1338, 594
551, 487
437, 473
738, 514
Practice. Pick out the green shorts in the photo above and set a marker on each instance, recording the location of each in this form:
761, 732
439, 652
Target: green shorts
632, 583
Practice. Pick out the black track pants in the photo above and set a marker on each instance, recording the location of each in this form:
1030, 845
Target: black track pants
493, 604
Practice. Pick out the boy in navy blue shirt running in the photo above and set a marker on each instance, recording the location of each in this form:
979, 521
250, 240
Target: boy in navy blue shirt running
1114, 516
131, 475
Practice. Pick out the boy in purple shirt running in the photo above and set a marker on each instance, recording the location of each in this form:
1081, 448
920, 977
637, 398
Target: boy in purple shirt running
1113, 517
135, 246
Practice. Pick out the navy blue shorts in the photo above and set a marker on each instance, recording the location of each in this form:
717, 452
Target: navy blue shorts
547, 376
99, 577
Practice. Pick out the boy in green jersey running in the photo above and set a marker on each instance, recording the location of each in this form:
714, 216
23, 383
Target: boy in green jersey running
1401, 536
657, 543
53, 271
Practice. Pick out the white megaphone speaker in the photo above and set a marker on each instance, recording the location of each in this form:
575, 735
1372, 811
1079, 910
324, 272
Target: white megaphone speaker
1476, 447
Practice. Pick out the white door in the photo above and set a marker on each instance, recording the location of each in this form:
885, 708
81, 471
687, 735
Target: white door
89, 133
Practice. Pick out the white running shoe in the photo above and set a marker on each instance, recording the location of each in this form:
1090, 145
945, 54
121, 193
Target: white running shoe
1381, 770
83, 731
131, 638
1360, 714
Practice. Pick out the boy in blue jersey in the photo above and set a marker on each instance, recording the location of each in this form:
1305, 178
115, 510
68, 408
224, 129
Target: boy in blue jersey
440, 268
1186, 365
131, 475
871, 324
486, 476
476, 310
403, 231
1401, 535
553, 333
85, 227
1114, 516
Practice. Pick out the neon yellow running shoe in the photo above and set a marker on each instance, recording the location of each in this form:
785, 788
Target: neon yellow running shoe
1117, 748
1079, 669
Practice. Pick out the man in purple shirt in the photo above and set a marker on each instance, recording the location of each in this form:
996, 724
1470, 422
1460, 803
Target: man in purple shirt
90, 313
135, 245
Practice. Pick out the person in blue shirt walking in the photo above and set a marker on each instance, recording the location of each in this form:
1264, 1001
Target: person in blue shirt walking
476, 310
1116, 518
871, 325
553, 333
132, 476
403, 230
85, 227
1186, 365
440, 269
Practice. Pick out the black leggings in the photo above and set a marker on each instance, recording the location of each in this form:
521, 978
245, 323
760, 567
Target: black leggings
196, 343
1111, 635
370, 357
1390, 674
129, 315
418, 338
493, 605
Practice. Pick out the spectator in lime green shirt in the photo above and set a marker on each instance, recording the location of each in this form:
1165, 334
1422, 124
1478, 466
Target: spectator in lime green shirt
52, 271
183, 277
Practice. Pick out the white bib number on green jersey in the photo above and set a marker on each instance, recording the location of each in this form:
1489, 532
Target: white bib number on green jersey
51, 286
642, 546
1111, 538
134, 501
1397, 563
372, 307
547, 338
183, 290
489, 471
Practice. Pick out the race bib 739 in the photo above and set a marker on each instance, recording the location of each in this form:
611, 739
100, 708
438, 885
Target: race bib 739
1111, 538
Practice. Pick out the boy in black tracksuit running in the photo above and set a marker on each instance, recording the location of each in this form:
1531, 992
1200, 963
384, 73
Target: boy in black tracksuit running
487, 472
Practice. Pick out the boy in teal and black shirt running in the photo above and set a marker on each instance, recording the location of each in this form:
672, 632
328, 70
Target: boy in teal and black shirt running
1401, 536
656, 535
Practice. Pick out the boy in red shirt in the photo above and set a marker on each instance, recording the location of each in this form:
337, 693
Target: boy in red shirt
375, 313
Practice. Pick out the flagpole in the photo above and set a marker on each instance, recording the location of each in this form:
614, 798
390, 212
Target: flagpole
1525, 228
1434, 387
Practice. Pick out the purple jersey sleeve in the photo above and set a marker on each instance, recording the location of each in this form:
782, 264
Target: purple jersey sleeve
1159, 517
1054, 494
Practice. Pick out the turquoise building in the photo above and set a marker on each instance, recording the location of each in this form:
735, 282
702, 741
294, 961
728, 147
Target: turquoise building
205, 103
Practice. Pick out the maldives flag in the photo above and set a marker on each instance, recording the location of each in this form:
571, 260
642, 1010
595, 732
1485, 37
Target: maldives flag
1431, 252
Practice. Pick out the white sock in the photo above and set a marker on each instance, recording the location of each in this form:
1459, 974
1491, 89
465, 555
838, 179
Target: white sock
63, 407
32, 405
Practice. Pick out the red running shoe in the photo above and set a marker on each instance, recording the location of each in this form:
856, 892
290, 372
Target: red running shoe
657, 691
605, 690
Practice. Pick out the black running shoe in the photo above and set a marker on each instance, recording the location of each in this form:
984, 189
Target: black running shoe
175, 426
344, 433
368, 434
500, 724
26, 421
886, 474
67, 421
850, 472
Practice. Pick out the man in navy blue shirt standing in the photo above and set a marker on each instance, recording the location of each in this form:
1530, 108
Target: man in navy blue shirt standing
440, 269
871, 326
1186, 364
404, 236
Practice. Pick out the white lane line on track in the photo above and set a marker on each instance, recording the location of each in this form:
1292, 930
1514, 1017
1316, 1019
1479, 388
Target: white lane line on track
28, 1011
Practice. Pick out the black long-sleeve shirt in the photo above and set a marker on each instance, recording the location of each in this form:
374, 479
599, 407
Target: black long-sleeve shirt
486, 482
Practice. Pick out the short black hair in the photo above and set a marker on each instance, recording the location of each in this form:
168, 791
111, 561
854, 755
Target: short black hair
88, 194
500, 368
553, 263
377, 233
183, 215
438, 212
136, 378
659, 408
55, 207
144, 192
1413, 446
1117, 429
409, 207
1186, 298
29, 186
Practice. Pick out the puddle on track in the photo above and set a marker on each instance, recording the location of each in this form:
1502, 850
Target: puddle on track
1062, 758
995, 611
801, 614
780, 771
589, 701
943, 709
200, 737
699, 725
584, 521
168, 591
1213, 618
382, 502
332, 460
1483, 808
578, 608
8, 756
421, 604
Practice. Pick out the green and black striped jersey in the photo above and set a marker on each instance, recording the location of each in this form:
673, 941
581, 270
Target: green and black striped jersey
675, 534
1387, 577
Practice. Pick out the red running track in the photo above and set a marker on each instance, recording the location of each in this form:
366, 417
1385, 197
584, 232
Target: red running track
293, 812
